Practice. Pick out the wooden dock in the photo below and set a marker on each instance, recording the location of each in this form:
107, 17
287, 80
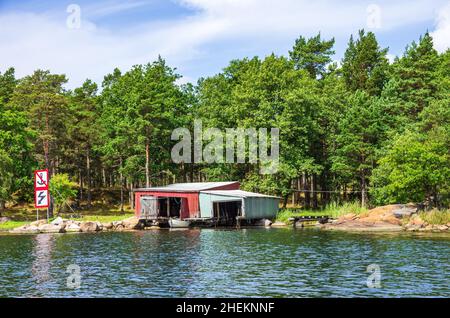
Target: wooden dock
303, 220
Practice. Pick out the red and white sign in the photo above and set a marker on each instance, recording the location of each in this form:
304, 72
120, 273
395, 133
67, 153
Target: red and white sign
41, 199
41, 179
41, 193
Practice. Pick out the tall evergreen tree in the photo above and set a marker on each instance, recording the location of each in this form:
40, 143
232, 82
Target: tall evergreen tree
312, 54
41, 96
365, 65
413, 84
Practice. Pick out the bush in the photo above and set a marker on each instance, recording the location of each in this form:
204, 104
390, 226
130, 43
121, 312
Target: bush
333, 210
436, 217
62, 190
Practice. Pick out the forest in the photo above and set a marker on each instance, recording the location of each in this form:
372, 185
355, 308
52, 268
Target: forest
364, 128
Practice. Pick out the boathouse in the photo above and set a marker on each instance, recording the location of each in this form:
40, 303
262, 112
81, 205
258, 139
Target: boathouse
180, 200
227, 205
222, 202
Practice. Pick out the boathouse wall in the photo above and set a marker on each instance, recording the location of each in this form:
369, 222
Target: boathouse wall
257, 207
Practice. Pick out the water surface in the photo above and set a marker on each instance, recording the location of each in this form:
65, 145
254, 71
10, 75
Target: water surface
225, 263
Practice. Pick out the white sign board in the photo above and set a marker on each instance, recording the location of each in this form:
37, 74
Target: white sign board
41, 199
41, 179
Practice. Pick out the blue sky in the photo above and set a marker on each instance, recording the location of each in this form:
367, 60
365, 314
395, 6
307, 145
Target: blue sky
198, 37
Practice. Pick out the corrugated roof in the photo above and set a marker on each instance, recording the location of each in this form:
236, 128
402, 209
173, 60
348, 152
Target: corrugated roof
192, 187
239, 194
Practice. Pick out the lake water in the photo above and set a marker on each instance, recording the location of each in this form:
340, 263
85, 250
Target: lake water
225, 263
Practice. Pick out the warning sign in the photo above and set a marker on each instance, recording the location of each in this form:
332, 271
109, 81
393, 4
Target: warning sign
41, 199
41, 179
41, 193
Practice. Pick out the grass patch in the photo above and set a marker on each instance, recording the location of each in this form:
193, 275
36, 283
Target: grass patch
9, 225
332, 210
436, 217
103, 218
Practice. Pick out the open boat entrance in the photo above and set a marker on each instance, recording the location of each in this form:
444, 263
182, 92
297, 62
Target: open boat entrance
161, 208
226, 212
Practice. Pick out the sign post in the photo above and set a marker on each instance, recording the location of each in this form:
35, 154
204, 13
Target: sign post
41, 191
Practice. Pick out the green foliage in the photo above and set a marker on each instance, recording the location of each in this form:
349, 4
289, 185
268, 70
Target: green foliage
62, 190
6, 175
365, 66
15, 142
312, 54
416, 167
360, 133
413, 84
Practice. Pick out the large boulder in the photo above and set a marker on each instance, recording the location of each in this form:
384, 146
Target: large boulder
52, 228
417, 220
72, 227
279, 224
100, 226
89, 227
263, 222
391, 219
132, 223
25, 229
39, 223
348, 217
405, 211
108, 226
58, 221
4, 219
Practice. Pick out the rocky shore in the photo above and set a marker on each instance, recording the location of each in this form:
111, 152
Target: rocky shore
60, 225
389, 218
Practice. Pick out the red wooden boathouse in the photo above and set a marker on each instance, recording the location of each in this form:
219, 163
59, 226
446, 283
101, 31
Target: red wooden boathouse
184, 195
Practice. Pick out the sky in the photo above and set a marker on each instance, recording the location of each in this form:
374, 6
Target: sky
88, 39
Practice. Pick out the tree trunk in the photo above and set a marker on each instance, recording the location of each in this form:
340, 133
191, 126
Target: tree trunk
147, 163
81, 188
103, 178
363, 189
306, 191
88, 172
314, 191
121, 186
131, 195
285, 199
2, 207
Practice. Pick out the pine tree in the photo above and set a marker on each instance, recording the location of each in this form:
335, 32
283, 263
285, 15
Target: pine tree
365, 65
312, 54
414, 81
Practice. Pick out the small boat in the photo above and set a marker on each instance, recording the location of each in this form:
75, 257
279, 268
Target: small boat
177, 223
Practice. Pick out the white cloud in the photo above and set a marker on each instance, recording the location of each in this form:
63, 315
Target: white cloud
30, 40
441, 36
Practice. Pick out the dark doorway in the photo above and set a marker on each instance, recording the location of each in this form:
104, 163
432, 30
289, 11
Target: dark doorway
169, 207
226, 212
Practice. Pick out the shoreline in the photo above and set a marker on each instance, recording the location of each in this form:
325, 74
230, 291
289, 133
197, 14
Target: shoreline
374, 229
395, 218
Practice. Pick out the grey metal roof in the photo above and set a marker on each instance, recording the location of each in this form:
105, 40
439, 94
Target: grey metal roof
190, 187
239, 194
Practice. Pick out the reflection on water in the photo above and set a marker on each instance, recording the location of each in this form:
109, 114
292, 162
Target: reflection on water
42, 257
225, 263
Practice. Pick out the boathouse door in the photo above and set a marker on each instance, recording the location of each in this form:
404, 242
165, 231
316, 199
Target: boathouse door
149, 207
226, 212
